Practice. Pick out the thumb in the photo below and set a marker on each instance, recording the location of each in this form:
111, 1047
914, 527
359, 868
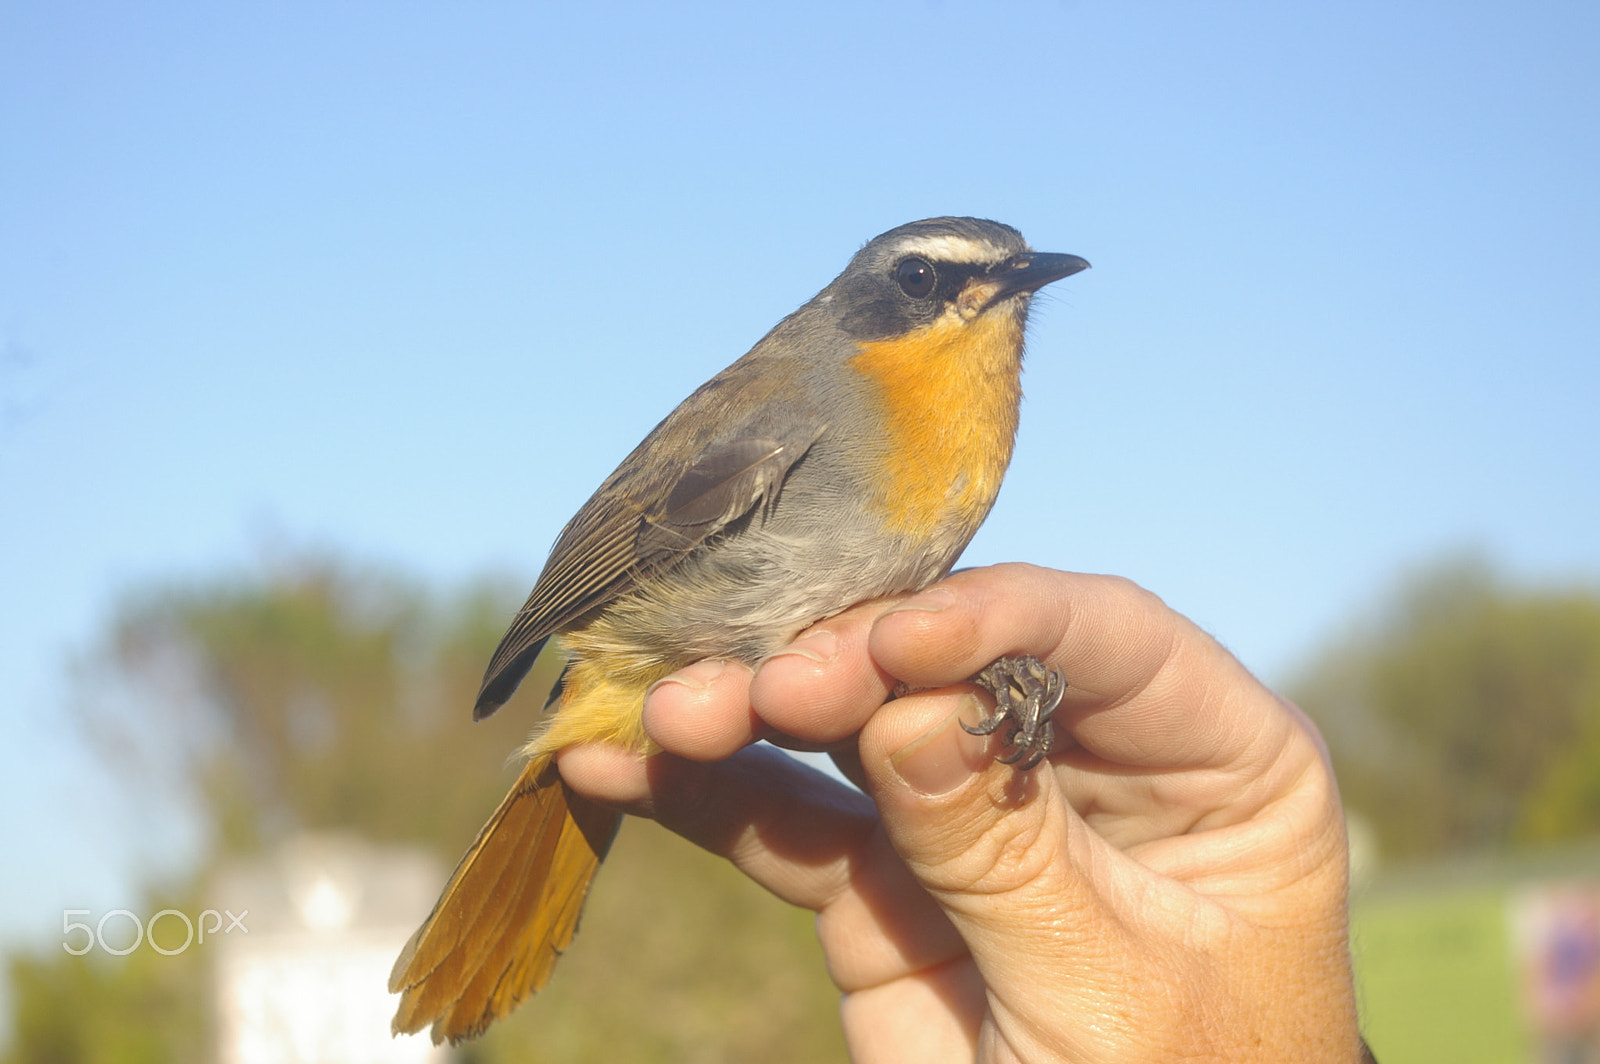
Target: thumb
1000, 851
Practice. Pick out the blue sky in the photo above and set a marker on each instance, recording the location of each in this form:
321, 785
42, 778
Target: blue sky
407, 280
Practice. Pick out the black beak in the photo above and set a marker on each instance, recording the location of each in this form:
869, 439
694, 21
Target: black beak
1031, 271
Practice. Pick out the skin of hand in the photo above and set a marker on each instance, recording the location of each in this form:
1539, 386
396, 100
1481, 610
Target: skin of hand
1169, 885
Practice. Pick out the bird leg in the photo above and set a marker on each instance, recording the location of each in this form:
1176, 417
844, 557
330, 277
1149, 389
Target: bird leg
1025, 692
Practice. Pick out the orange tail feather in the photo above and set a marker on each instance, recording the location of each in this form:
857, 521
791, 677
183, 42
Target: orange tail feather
508, 912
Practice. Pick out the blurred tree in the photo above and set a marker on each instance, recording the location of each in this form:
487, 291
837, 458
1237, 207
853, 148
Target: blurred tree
318, 696
1468, 716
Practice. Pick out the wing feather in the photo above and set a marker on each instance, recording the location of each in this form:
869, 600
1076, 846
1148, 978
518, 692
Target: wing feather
645, 517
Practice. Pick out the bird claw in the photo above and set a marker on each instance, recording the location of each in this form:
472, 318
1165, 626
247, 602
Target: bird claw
1026, 692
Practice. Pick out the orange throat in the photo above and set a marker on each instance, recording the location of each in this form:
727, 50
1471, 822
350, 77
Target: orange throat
950, 394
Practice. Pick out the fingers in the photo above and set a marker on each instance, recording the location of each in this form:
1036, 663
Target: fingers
824, 685
1185, 840
787, 826
805, 837
1151, 700
1166, 734
933, 1015
1131, 664
1083, 952
819, 690
1145, 687
703, 711
1187, 843
1003, 857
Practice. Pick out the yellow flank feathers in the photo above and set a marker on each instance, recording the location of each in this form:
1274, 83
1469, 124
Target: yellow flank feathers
602, 694
950, 394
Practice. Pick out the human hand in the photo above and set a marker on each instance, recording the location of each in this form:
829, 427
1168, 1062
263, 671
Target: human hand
1169, 885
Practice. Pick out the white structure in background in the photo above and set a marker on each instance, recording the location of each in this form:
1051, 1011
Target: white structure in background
328, 914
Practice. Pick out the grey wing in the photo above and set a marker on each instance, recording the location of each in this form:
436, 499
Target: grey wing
641, 520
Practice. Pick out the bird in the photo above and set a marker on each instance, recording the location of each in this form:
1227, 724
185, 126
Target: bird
850, 455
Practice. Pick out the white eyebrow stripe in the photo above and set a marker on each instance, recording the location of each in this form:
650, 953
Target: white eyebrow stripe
952, 249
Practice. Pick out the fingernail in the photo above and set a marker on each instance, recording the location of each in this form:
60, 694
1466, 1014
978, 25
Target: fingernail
818, 645
930, 601
696, 677
946, 756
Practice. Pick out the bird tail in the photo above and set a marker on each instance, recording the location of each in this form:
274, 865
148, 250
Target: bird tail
509, 910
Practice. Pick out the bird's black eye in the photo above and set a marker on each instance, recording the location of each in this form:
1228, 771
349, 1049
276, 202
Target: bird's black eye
916, 278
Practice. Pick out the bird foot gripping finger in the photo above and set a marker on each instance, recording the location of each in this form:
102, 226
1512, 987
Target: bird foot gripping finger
1026, 692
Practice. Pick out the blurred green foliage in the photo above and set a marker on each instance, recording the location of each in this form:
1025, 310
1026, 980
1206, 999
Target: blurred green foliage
317, 695
98, 1009
1466, 717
